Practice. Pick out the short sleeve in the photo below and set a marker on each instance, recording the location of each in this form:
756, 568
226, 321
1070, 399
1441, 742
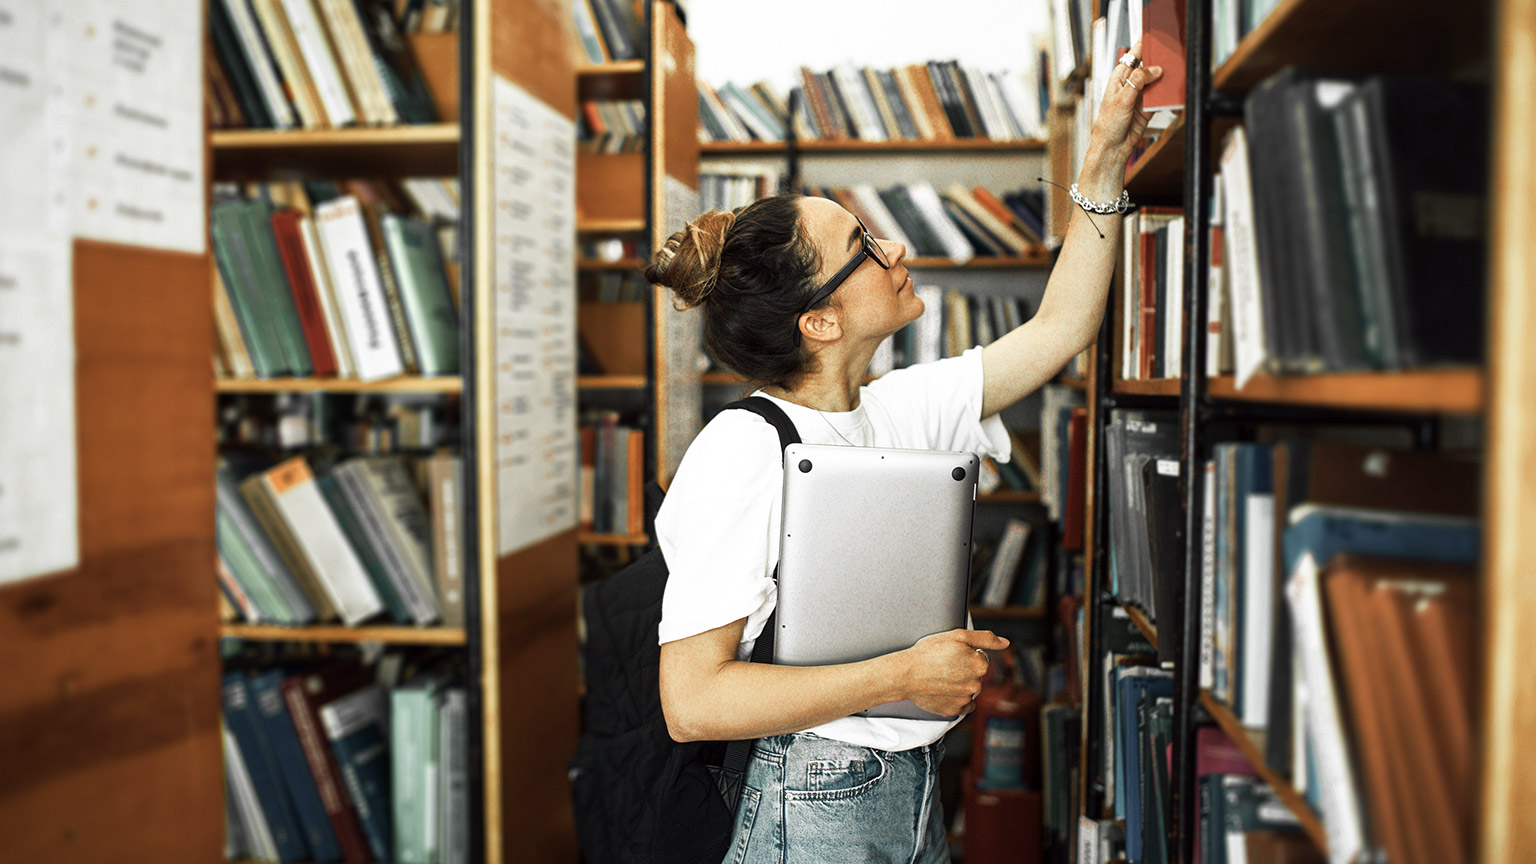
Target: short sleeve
938, 404
716, 529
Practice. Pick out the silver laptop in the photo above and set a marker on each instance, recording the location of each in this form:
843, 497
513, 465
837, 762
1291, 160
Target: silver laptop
874, 554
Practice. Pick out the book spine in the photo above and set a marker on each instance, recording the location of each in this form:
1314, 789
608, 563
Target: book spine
292, 491
359, 293
358, 491
454, 773
243, 523
448, 556
424, 297
266, 779
272, 283
320, 277
407, 797
257, 59
265, 689
347, 519
285, 52
306, 300
325, 770
242, 80
405, 520
242, 793
318, 57
351, 48
363, 756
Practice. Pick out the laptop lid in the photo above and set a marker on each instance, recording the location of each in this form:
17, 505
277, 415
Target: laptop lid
874, 554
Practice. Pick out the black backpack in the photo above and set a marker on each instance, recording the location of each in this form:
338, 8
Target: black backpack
640, 797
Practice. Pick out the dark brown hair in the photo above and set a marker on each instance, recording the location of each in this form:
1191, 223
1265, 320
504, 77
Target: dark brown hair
752, 270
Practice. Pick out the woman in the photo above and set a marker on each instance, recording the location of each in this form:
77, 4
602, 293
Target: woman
797, 295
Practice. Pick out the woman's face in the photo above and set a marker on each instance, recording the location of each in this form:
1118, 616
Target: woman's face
872, 302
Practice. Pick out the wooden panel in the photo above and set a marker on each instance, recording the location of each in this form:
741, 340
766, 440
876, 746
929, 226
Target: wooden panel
1507, 832
674, 97
610, 186
112, 668
438, 56
537, 675
532, 45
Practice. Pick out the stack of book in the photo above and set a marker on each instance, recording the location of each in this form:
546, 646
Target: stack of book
951, 323
1150, 337
319, 64
936, 101
612, 475
959, 223
372, 537
325, 765
608, 30
1347, 227
728, 187
611, 126
313, 282
1338, 618
1141, 449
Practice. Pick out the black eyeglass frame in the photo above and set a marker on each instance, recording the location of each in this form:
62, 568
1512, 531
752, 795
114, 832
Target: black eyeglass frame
870, 249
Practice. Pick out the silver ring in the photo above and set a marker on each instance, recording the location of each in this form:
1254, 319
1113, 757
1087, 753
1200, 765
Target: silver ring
1129, 59
984, 654
1127, 82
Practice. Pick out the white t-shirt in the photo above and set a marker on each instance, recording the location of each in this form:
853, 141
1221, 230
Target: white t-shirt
719, 524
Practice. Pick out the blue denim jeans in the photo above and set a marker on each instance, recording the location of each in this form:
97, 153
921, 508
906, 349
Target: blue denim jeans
812, 800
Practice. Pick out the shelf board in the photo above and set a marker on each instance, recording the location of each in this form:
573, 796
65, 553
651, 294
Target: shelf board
1435, 391
394, 635
610, 382
1149, 387
621, 264
1074, 381
1006, 262
852, 145
394, 151
621, 80
1158, 175
1142, 622
589, 538
1009, 496
617, 67
1020, 613
1327, 34
402, 384
610, 226
1251, 743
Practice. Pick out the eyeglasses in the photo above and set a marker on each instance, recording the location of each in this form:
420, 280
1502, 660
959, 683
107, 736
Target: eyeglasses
870, 249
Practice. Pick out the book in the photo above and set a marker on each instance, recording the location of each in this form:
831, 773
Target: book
287, 231
320, 60
381, 493
444, 505
1004, 567
255, 836
275, 805
356, 725
282, 737
358, 288
422, 282
261, 569
304, 694
247, 256
413, 752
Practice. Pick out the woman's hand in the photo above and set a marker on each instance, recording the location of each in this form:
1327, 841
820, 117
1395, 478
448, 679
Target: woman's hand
1121, 122
944, 671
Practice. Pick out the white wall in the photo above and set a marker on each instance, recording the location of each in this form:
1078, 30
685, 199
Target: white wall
753, 40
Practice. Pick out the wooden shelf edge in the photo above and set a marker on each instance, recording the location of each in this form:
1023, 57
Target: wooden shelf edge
1022, 613
617, 67
396, 635
1009, 496
610, 382
589, 538
404, 384
1148, 387
1438, 391
610, 226
1142, 622
1253, 751
620, 264
371, 136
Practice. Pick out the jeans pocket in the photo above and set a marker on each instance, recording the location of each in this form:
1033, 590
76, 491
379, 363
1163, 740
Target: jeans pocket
837, 778
746, 819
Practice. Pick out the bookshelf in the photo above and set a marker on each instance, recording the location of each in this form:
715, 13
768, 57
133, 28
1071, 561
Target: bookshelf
1177, 168
346, 635
404, 384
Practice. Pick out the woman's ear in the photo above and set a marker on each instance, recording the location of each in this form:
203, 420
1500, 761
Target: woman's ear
820, 325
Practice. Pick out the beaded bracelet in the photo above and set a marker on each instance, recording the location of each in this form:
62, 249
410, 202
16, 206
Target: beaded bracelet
1119, 206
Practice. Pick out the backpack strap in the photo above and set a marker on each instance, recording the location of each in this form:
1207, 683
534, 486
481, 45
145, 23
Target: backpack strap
738, 752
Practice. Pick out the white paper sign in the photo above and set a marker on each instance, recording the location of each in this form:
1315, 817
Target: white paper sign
534, 284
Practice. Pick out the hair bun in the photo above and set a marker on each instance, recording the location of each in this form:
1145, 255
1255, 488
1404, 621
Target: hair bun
689, 262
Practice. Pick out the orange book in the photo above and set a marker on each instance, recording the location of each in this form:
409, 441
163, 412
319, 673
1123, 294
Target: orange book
635, 482
1001, 211
928, 102
821, 112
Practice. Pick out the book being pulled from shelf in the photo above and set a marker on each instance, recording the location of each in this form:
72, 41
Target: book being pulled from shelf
369, 537
313, 282
1348, 229
320, 64
611, 126
324, 764
935, 101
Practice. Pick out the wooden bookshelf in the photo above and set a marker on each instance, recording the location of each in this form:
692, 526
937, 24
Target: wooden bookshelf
1439, 391
393, 151
589, 538
1076, 382
1006, 262
611, 382
624, 264
619, 80
1013, 613
1008, 496
610, 69
389, 635
723, 378
610, 226
1157, 176
1325, 34
1142, 622
1148, 387
1251, 743
856, 146
403, 384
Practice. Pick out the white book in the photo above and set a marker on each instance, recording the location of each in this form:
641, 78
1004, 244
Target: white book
358, 288
314, 254
1217, 325
322, 541
926, 199
356, 59
1024, 105
267, 80
1258, 602
860, 104
356, 711
1005, 564
993, 123
1324, 726
1129, 295
1208, 577
321, 62
1249, 351
246, 805
887, 227
1172, 314
286, 54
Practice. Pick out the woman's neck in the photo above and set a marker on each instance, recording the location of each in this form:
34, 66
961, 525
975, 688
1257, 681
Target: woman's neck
834, 386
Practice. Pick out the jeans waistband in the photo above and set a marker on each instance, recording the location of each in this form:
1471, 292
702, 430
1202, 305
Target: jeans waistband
779, 745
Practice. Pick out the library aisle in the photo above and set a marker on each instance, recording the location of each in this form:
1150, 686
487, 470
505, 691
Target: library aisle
335, 403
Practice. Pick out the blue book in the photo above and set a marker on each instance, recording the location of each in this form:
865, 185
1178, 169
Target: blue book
241, 717
1328, 531
357, 727
283, 739
1133, 684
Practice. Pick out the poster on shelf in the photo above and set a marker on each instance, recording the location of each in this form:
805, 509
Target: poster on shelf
534, 309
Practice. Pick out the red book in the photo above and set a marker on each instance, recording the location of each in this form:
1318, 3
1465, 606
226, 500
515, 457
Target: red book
1077, 481
1162, 44
1148, 285
305, 694
306, 298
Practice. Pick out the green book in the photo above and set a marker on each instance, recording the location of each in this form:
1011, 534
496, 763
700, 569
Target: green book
422, 280
232, 254
272, 284
331, 492
248, 572
414, 757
